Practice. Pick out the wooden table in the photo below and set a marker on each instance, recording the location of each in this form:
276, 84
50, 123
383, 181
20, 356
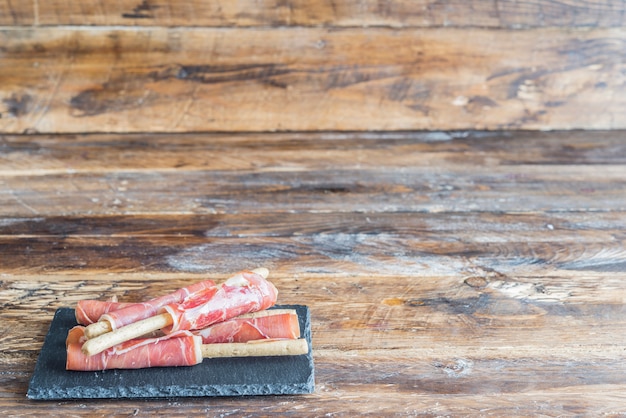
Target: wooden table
447, 274
388, 161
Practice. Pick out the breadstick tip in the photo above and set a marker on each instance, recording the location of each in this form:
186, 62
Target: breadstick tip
97, 328
262, 271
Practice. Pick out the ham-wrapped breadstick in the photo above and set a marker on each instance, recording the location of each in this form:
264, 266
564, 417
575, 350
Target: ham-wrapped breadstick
245, 292
137, 311
183, 350
179, 349
268, 324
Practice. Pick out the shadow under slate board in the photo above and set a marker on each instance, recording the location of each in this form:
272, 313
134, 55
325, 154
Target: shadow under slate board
212, 377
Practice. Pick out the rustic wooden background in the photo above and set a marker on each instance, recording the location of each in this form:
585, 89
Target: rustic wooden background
131, 66
443, 183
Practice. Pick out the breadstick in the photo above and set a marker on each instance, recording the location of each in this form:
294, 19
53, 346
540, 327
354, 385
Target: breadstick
129, 332
256, 348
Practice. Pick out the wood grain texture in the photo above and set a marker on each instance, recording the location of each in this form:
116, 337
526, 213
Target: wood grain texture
265, 79
463, 273
422, 13
217, 174
39, 155
525, 188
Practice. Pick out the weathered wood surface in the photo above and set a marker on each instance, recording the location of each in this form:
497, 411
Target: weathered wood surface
423, 13
464, 274
209, 174
78, 80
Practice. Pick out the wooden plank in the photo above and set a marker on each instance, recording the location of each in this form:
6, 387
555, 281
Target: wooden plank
335, 252
434, 244
448, 243
531, 188
599, 400
200, 174
470, 226
422, 13
576, 400
199, 79
106, 153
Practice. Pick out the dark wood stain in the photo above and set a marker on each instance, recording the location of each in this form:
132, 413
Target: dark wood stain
142, 11
116, 96
208, 74
18, 105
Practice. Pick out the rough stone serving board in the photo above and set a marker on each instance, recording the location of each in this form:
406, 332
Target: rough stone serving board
213, 377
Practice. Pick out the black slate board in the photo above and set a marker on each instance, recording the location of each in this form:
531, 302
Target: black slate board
213, 377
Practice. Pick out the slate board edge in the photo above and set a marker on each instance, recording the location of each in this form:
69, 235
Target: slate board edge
80, 392
175, 391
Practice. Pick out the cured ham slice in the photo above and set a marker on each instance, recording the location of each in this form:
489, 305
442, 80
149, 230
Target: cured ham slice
138, 311
89, 311
245, 292
182, 350
76, 335
274, 324
179, 349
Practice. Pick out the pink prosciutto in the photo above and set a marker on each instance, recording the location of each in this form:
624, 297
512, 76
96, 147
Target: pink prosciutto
243, 293
139, 311
183, 349
89, 311
76, 335
281, 324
